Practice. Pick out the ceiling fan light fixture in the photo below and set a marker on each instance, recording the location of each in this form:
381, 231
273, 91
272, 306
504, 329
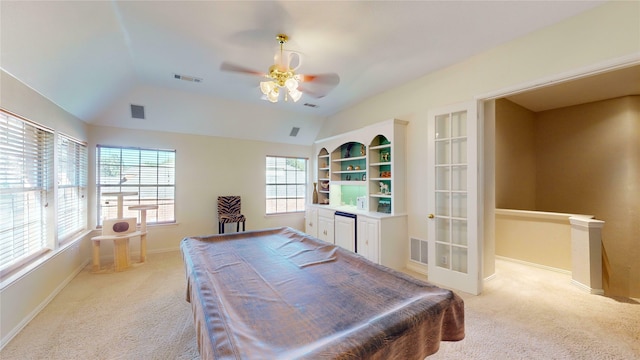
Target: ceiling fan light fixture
295, 94
273, 95
267, 86
282, 75
291, 84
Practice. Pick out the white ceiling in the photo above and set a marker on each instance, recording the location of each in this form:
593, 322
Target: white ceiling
95, 58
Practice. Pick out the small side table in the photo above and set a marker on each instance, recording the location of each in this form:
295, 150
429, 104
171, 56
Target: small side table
143, 228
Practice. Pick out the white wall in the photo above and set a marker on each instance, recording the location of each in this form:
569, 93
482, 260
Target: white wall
607, 33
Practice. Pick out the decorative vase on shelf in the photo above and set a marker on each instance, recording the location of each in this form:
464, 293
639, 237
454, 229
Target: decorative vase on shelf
315, 194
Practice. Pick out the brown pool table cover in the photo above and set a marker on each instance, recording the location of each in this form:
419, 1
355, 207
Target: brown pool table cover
281, 294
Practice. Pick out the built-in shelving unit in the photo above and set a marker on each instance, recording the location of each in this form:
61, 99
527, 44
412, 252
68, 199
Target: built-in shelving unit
324, 176
380, 181
365, 163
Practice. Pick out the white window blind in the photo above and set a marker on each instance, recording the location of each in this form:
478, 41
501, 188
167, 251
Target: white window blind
72, 187
26, 180
286, 180
148, 172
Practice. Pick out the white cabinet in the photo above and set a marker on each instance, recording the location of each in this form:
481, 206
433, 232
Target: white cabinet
311, 221
369, 238
325, 225
345, 232
383, 240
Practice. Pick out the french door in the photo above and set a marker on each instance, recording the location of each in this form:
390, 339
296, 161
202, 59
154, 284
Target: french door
453, 226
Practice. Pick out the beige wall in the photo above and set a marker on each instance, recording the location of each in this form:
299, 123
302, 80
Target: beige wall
515, 157
594, 38
21, 300
539, 238
206, 167
588, 161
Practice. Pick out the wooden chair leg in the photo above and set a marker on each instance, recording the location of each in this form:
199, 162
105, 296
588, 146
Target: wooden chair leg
243, 226
238, 226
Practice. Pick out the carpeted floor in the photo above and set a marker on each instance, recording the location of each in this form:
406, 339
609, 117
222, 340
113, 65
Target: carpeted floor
524, 313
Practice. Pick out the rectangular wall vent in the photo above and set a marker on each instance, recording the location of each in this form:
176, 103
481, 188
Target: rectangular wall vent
420, 251
187, 78
311, 105
294, 131
137, 111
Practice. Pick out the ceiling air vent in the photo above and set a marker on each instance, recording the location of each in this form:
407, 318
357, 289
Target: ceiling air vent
187, 78
311, 105
137, 111
294, 131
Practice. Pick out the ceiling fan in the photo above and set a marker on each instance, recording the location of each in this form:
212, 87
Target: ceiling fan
282, 75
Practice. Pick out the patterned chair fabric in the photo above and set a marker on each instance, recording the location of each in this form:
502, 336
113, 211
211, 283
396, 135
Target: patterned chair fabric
229, 208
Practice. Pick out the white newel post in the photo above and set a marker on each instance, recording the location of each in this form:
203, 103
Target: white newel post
586, 254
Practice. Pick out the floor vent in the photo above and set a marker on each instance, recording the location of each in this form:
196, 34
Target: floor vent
419, 251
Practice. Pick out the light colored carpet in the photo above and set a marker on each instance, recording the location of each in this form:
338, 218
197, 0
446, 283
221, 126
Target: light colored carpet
524, 313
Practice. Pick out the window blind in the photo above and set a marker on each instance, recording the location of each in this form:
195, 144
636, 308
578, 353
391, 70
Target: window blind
26, 168
149, 172
72, 187
286, 180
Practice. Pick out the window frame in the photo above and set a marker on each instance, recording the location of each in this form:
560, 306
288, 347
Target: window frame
300, 182
76, 179
167, 205
35, 158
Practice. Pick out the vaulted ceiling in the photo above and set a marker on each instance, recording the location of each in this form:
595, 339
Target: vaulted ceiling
96, 58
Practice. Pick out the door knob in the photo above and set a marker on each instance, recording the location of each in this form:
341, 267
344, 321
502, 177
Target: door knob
431, 216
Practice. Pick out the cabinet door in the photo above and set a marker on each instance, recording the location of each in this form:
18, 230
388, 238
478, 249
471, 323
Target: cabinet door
311, 221
325, 229
369, 238
345, 232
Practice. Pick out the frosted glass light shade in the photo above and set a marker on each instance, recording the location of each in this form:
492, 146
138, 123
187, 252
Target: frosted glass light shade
291, 84
295, 95
267, 86
273, 95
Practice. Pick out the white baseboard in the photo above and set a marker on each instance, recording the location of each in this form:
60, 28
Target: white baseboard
421, 269
587, 289
562, 271
11, 334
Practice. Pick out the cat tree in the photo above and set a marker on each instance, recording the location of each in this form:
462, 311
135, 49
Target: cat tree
120, 230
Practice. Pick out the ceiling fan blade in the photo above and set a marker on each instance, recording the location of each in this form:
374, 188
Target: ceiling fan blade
226, 66
329, 79
319, 85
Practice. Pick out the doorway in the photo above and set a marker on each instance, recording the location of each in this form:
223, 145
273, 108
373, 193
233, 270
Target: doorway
585, 90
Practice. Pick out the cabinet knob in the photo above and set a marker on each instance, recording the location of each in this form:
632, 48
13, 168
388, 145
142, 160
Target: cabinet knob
431, 216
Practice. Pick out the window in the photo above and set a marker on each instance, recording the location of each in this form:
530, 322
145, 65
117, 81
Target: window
26, 188
72, 187
148, 172
286, 184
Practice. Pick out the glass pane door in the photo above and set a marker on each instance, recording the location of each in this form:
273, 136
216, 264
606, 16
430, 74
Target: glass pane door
452, 225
